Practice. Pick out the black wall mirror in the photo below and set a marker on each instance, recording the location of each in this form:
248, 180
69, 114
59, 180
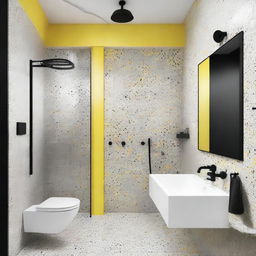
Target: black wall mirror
220, 100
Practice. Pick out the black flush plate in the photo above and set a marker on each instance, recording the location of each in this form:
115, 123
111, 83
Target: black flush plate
182, 135
21, 128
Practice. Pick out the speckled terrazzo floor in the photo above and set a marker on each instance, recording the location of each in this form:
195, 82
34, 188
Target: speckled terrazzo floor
114, 234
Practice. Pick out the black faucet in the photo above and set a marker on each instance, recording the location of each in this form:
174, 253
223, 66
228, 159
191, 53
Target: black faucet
212, 168
212, 174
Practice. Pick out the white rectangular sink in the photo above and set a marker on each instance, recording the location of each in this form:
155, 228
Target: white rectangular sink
187, 201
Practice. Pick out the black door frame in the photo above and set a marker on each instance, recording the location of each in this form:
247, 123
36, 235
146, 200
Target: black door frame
4, 126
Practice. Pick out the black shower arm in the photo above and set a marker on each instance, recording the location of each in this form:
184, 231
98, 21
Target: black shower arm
39, 65
57, 63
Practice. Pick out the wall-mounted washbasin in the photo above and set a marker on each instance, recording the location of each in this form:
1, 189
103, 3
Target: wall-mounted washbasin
187, 201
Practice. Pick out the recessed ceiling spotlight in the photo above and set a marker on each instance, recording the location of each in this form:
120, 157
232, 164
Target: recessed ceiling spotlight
122, 15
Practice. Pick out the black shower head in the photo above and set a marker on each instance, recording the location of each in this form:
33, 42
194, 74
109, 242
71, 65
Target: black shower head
122, 15
61, 64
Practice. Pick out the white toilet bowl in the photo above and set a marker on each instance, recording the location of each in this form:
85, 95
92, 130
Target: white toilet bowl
51, 216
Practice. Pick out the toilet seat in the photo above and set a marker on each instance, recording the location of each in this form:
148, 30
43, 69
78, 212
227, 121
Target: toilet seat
51, 216
58, 204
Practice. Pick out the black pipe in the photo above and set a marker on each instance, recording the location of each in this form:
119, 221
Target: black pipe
149, 155
4, 129
31, 117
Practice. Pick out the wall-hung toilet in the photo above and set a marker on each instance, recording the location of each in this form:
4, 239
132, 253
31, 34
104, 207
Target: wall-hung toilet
51, 216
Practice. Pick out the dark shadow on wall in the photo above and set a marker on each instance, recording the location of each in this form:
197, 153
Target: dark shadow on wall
246, 217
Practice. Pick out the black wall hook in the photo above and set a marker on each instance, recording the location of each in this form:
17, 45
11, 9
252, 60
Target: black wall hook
123, 143
219, 35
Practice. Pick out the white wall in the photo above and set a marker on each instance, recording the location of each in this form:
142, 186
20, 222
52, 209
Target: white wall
67, 127
143, 89
24, 190
204, 18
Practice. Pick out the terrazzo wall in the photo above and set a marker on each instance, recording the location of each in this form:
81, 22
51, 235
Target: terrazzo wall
67, 127
203, 19
24, 190
142, 100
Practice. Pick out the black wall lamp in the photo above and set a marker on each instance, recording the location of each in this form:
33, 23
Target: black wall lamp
219, 35
60, 64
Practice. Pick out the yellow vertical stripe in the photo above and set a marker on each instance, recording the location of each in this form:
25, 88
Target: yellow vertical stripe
204, 105
97, 130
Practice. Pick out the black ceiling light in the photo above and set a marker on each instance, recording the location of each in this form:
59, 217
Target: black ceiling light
122, 15
218, 36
